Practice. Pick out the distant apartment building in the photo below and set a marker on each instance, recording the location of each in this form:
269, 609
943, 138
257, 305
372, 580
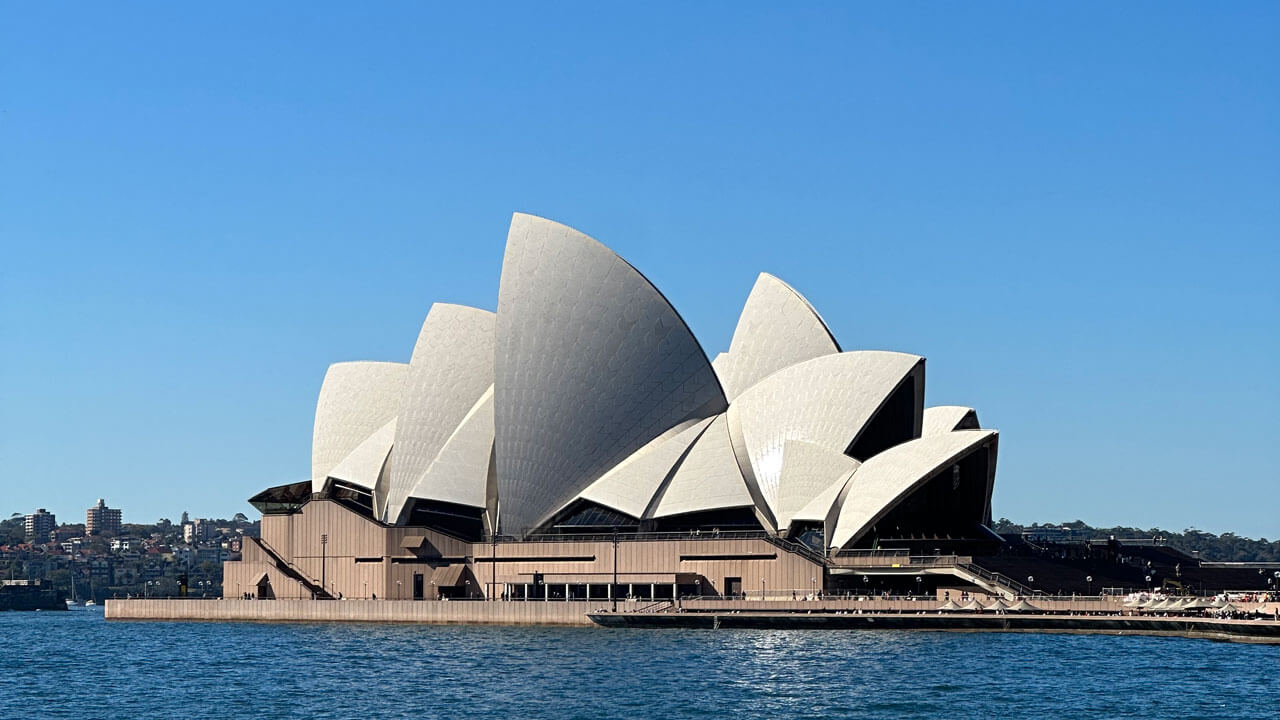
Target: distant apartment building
40, 524
101, 519
197, 531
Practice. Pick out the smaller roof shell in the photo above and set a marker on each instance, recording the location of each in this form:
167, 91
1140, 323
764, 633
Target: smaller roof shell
884, 481
631, 485
827, 401
810, 471
364, 465
945, 418
460, 472
778, 328
356, 400
708, 478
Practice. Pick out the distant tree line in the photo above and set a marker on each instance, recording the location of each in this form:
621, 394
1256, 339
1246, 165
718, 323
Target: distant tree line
1227, 547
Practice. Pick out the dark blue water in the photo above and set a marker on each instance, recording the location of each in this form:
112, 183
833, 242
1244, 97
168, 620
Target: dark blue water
76, 665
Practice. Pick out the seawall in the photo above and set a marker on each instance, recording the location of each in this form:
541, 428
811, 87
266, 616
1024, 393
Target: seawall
1262, 631
408, 611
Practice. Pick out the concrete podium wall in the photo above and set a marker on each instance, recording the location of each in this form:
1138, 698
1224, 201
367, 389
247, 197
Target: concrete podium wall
443, 613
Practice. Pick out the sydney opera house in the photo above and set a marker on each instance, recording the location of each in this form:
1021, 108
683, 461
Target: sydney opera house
579, 443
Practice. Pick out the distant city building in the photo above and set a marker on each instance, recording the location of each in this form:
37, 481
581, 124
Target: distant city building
40, 524
101, 519
196, 531
185, 518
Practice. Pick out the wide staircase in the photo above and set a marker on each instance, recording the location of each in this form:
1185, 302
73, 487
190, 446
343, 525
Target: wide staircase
292, 571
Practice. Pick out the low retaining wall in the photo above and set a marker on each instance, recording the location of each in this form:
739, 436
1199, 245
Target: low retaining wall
441, 613
873, 604
1262, 631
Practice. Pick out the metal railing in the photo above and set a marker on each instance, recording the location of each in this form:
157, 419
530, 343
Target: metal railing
876, 552
797, 548
999, 580
288, 568
629, 537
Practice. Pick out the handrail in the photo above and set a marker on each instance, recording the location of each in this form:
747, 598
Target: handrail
288, 568
999, 579
871, 552
797, 548
628, 537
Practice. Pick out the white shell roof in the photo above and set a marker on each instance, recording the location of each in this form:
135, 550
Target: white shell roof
364, 465
809, 471
778, 328
826, 401
592, 363
707, 478
945, 418
631, 485
460, 473
888, 478
356, 399
452, 366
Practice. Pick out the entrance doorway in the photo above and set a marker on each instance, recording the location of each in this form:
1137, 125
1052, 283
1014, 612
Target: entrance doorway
733, 587
418, 592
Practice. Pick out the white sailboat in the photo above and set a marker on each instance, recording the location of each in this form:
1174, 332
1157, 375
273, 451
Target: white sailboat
72, 601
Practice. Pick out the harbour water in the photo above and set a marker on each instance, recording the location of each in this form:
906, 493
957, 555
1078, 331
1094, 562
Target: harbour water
77, 665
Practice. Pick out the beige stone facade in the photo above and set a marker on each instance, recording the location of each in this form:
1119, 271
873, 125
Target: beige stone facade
366, 559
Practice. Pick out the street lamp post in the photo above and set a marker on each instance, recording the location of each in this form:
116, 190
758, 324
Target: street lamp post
761, 589
1089, 579
919, 580
398, 584
613, 591
324, 541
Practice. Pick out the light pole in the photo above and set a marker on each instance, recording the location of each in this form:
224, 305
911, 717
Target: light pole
613, 591
762, 589
1148, 579
1089, 579
324, 541
398, 583
919, 580
493, 589
812, 585
364, 590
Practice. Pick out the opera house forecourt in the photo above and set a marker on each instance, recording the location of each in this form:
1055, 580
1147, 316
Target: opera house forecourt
580, 444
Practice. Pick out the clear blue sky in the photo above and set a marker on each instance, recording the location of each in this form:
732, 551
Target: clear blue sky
1072, 210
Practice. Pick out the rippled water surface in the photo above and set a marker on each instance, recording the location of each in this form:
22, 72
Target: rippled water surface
76, 665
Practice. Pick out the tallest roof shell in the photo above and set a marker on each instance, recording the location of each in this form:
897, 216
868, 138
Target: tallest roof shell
592, 363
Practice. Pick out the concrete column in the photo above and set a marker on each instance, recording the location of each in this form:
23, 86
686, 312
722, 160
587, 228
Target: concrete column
609, 595
526, 592
566, 592
675, 591
653, 591
631, 590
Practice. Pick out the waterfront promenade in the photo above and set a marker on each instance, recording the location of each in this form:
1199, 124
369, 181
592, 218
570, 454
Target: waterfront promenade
1092, 615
